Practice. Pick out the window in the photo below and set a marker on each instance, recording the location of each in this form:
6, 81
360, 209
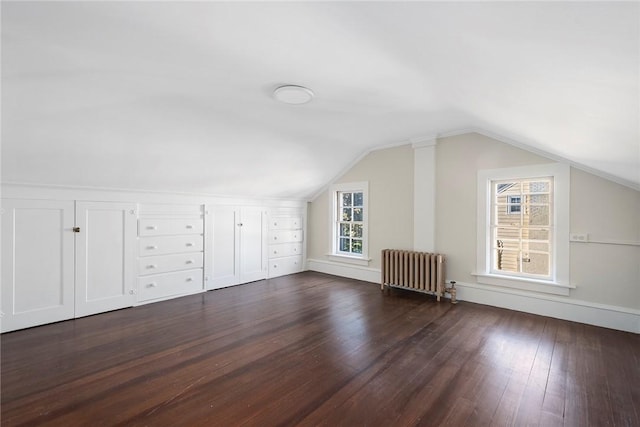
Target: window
523, 228
349, 213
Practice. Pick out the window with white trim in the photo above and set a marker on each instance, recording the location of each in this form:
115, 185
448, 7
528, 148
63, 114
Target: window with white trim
523, 228
349, 214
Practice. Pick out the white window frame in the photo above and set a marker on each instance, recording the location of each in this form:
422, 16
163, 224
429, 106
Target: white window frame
336, 255
559, 283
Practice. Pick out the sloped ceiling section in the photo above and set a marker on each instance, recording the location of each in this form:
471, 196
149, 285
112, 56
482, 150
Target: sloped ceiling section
176, 96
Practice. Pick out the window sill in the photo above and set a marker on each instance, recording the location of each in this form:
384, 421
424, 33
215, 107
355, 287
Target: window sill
349, 259
525, 284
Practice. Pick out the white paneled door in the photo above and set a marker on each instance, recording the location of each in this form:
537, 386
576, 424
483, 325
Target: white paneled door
105, 256
37, 262
226, 253
253, 249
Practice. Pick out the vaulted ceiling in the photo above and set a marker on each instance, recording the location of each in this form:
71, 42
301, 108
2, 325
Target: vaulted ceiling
177, 96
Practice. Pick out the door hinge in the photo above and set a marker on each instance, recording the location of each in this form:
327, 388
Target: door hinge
76, 229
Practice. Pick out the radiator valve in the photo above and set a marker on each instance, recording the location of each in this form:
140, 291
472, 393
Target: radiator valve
453, 291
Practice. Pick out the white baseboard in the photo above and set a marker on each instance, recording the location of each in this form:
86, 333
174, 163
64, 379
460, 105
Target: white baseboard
366, 274
591, 313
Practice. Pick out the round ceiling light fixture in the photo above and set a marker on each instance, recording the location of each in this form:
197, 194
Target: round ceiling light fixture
292, 94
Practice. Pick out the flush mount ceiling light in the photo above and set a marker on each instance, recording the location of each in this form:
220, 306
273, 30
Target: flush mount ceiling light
292, 94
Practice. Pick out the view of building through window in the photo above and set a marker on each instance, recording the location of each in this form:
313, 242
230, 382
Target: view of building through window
350, 217
521, 226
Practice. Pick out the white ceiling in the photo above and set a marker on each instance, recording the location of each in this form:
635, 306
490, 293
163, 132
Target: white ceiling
176, 96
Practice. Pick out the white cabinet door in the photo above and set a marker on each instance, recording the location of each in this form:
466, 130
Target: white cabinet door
37, 262
105, 256
253, 250
239, 252
225, 254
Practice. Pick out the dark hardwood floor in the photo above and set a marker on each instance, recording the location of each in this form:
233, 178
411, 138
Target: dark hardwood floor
313, 349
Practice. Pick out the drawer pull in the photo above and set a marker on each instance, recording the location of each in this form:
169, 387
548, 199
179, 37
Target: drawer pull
189, 261
189, 279
275, 252
152, 227
295, 249
275, 224
152, 247
275, 265
275, 237
150, 266
189, 244
189, 226
152, 285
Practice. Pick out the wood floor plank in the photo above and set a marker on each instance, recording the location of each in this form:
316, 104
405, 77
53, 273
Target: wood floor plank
312, 349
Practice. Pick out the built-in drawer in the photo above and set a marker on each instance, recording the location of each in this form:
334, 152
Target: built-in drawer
169, 226
167, 263
285, 223
285, 249
163, 245
285, 236
164, 285
287, 265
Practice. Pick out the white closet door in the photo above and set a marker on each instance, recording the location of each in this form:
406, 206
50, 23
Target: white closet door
253, 251
225, 254
105, 256
37, 262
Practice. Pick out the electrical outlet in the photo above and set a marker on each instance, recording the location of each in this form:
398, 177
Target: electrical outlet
579, 237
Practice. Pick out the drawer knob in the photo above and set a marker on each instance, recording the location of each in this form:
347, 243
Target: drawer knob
152, 285
152, 266
152, 247
275, 266
189, 226
152, 227
189, 244
295, 249
189, 279
275, 237
275, 252
189, 261
275, 224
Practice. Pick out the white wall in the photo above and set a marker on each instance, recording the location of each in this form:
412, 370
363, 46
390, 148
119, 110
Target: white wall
390, 176
606, 276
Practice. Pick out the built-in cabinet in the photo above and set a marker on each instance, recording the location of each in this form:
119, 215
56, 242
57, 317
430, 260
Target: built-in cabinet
37, 262
70, 258
239, 246
62, 260
170, 251
285, 242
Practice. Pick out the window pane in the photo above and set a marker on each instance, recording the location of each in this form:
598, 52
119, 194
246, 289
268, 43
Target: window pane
537, 199
536, 215
344, 245
357, 230
506, 260
346, 214
536, 187
535, 234
507, 233
536, 264
346, 199
357, 214
357, 199
507, 188
356, 246
535, 246
507, 244
344, 230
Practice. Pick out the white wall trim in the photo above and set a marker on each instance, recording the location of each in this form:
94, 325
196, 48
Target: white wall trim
424, 195
591, 313
366, 274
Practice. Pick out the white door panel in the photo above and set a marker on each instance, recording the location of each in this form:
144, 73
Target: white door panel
105, 253
225, 251
37, 262
252, 245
